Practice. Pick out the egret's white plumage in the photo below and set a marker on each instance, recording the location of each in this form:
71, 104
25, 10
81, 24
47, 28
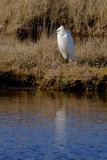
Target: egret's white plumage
65, 43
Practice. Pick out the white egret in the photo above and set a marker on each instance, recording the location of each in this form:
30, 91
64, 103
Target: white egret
65, 44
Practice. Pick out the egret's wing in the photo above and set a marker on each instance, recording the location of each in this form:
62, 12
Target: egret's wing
62, 44
66, 45
70, 46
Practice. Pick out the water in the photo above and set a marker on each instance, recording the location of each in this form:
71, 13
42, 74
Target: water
52, 126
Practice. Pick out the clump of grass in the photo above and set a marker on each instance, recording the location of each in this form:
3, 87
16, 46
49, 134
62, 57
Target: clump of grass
28, 56
92, 51
81, 16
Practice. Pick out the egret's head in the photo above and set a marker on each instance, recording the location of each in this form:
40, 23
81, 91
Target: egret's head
60, 29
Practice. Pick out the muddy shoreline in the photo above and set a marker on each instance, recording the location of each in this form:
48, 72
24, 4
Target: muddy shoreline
13, 80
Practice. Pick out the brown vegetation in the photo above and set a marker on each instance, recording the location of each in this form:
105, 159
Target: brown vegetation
29, 18
26, 63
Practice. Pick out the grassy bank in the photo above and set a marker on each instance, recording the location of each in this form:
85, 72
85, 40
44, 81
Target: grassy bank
29, 18
41, 65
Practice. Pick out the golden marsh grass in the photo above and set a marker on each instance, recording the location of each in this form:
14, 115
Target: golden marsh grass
27, 63
26, 55
41, 64
80, 16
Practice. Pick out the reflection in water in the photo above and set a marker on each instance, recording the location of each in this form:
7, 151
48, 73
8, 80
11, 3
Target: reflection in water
52, 125
60, 126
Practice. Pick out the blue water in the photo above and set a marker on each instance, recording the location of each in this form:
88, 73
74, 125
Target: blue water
52, 126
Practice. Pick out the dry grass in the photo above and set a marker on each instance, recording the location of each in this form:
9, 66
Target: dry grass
92, 51
28, 55
81, 16
43, 62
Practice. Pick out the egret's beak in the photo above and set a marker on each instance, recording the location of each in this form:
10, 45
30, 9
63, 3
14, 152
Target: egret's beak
53, 32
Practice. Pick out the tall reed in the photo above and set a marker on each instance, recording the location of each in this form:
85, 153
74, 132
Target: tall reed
89, 16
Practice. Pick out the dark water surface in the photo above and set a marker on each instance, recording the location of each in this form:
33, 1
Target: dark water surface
45, 126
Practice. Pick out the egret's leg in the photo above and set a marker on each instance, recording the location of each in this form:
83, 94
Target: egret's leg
67, 60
